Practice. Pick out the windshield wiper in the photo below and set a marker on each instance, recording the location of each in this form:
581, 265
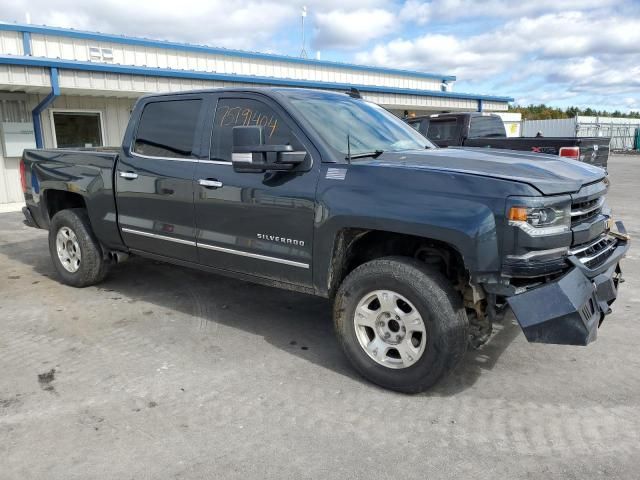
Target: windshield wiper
374, 154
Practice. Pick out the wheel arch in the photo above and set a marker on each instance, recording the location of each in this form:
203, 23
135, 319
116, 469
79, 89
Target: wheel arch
56, 200
354, 246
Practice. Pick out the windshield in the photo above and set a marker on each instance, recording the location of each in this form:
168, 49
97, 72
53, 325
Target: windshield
369, 127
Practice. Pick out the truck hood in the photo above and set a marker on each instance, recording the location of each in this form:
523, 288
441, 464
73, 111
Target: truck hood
549, 174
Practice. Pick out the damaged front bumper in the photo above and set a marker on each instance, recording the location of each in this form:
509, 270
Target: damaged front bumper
569, 311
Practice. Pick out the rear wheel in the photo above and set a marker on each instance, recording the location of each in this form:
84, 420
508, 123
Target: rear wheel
401, 324
75, 251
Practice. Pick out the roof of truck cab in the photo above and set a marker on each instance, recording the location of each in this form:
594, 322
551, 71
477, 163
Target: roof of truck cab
287, 91
334, 88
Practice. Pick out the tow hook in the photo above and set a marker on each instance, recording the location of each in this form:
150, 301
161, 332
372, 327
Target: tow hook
620, 236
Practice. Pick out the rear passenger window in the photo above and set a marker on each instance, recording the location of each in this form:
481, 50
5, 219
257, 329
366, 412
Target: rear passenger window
238, 112
167, 129
442, 129
486, 126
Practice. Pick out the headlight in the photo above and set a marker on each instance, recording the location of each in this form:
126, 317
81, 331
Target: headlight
540, 216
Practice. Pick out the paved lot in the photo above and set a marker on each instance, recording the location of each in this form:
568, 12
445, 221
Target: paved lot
163, 372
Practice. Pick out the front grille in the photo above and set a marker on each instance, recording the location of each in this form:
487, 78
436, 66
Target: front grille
595, 253
586, 210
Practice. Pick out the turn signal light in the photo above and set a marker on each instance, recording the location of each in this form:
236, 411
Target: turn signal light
518, 214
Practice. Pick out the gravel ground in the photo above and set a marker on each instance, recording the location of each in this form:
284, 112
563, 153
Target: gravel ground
163, 372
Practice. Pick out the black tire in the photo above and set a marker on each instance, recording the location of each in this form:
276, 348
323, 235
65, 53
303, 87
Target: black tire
432, 295
92, 268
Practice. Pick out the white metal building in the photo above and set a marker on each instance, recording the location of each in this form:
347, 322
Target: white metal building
69, 88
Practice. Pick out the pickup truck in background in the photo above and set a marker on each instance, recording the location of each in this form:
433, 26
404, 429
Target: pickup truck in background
478, 129
420, 248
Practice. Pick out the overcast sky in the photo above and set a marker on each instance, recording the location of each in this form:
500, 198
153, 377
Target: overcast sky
560, 52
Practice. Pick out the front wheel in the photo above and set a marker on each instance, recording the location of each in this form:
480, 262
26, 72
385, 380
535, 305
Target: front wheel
74, 249
400, 323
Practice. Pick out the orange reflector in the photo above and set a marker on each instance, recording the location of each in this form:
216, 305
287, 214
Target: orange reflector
518, 214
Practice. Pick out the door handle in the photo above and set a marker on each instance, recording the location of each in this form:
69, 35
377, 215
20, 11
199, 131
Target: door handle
128, 175
210, 183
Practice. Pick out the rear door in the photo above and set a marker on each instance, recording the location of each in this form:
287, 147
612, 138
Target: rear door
258, 224
154, 177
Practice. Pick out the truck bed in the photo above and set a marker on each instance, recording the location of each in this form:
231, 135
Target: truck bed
88, 172
593, 150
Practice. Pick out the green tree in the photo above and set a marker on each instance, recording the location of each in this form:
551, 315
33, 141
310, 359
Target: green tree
544, 112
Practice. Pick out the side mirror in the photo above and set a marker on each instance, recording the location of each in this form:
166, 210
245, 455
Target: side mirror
250, 154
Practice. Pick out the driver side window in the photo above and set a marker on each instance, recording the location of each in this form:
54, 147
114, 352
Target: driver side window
239, 112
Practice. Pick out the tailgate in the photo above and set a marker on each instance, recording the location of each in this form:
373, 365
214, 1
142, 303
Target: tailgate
594, 151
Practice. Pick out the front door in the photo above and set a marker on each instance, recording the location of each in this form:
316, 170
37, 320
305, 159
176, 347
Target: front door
258, 224
154, 180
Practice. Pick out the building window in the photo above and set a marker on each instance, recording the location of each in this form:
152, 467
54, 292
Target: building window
77, 129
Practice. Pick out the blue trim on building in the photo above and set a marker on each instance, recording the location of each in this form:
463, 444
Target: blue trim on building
226, 77
26, 43
105, 37
48, 100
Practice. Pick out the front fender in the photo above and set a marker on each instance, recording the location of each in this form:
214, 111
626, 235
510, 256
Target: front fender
464, 211
467, 226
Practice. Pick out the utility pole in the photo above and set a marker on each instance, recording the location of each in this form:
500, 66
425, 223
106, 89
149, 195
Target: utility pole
303, 52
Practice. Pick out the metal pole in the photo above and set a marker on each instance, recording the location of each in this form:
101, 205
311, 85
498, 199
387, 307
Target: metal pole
303, 52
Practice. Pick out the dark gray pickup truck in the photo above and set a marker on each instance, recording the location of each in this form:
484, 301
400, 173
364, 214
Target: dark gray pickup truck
420, 248
481, 129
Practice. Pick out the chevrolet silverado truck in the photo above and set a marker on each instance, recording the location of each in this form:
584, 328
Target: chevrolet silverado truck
481, 129
420, 248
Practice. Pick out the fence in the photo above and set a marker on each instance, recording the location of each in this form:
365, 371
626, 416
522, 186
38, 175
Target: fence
622, 131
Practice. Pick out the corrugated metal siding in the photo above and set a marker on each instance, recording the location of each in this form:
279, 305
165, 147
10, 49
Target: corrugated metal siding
494, 106
13, 108
565, 127
419, 101
11, 43
131, 85
10, 190
134, 85
78, 49
13, 75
